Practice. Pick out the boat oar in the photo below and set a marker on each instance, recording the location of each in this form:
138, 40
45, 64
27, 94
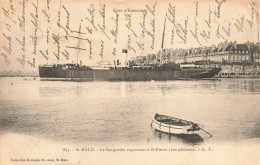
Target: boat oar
206, 132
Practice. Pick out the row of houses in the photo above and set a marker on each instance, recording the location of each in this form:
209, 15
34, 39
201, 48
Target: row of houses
223, 52
230, 52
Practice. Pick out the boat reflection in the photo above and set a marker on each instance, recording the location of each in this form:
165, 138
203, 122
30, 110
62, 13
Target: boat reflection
193, 139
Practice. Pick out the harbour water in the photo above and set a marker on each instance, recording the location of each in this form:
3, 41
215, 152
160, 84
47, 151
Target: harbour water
121, 112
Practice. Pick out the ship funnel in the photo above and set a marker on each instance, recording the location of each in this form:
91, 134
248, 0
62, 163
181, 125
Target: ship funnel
125, 51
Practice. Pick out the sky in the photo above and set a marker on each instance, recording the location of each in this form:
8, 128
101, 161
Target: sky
33, 32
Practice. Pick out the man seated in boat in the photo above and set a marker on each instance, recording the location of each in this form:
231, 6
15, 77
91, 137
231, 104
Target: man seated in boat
195, 126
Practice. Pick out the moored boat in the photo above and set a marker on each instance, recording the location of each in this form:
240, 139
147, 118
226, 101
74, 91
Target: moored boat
174, 125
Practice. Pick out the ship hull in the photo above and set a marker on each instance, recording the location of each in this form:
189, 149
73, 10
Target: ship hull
77, 74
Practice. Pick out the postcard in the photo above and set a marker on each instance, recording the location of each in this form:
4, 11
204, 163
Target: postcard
129, 82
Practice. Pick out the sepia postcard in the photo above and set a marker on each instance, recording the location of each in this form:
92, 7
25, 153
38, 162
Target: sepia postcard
117, 82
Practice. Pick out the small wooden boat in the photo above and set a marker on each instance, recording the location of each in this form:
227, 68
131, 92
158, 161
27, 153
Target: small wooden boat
174, 125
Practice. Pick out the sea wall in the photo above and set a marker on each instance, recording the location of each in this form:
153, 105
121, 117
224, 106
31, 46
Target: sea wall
240, 68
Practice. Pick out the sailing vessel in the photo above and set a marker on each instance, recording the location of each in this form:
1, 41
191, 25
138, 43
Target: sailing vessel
115, 72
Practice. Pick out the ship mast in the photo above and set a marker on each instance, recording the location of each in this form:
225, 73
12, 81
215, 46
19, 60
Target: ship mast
161, 54
257, 21
78, 45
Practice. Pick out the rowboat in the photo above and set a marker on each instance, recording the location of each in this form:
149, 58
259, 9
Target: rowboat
172, 125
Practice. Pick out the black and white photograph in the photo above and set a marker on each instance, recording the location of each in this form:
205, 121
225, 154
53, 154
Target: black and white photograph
86, 82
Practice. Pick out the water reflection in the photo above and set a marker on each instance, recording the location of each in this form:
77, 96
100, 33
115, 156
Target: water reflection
193, 139
60, 91
122, 111
242, 86
124, 89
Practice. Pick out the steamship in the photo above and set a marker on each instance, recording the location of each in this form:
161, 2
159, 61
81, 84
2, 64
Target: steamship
128, 72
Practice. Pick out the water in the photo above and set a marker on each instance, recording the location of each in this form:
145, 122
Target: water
121, 112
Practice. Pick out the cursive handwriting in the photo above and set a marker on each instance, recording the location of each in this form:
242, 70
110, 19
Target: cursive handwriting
32, 63
22, 43
239, 24
250, 22
182, 32
115, 32
149, 34
208, 22
22, 19
140, 46
218, 33
34, 37
227, 31
8, 27
8, 49
129, 46
103, 26
45, 55
128, 18
7, 60
7, 14
143, 25
217, 11
253, 11
141, 42
56, 39
114, 51
152, 23
90, 47
205, 35
12, 7
48, 4
58, 22
47, 15
195, 33
152, 11
66, 54
91, 11
67, 27
171, 18
102, 49
21, 60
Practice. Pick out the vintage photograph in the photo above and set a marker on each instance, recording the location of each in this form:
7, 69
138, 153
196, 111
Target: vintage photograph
129, 82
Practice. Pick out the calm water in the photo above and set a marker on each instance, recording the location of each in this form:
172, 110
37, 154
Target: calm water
121, 112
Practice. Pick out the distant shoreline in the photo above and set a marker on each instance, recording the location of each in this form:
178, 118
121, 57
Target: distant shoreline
19, 76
